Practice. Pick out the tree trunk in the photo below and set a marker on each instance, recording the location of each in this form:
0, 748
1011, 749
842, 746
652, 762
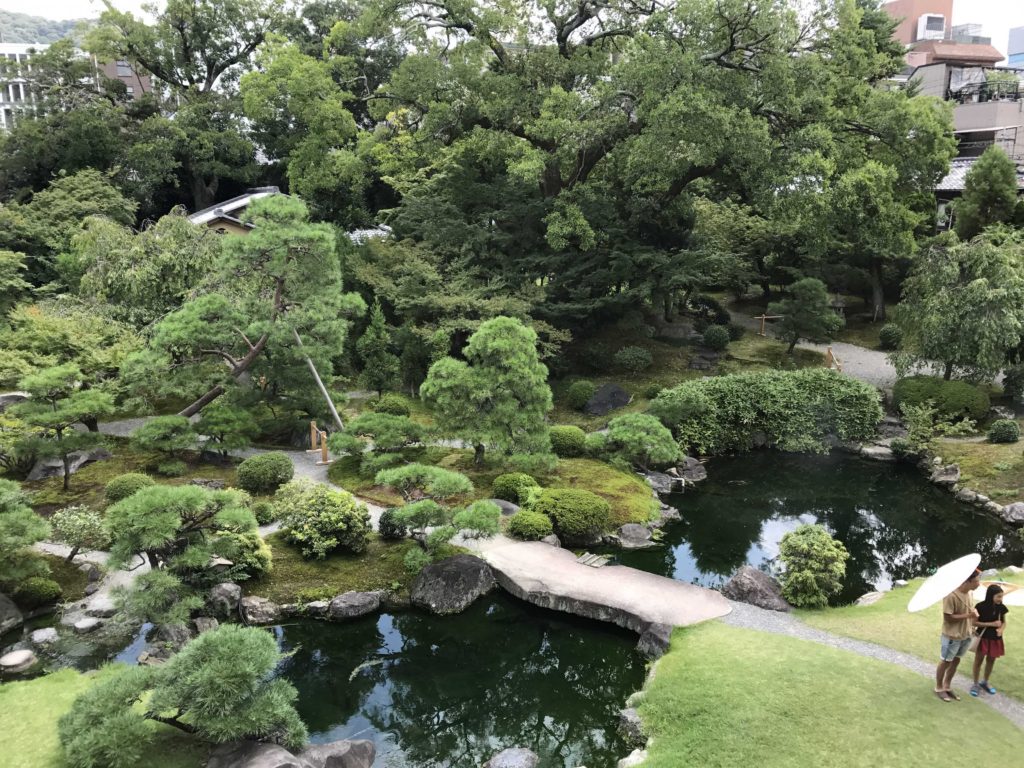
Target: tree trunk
948, 373
66, 461
71, 557
478, 454
877, 294
202, 402
91, 423
792, 345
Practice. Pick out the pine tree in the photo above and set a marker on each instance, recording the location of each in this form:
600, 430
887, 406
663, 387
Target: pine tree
380, 364
990, 194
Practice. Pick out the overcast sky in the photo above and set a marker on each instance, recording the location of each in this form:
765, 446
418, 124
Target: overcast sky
996, 16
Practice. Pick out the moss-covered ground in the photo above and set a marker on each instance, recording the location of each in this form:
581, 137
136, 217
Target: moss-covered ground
30, 709
994, 469
725, 696
72, 580
888, 623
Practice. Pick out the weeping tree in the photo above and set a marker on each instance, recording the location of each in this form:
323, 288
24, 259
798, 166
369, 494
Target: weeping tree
275, 293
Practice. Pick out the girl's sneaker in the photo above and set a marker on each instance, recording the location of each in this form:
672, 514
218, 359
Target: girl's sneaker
987, 688
975, 690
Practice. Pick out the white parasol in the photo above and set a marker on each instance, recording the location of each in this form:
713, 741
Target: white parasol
943, 581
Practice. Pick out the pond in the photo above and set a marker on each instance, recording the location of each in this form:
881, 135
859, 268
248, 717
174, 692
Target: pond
895, 524
452, 691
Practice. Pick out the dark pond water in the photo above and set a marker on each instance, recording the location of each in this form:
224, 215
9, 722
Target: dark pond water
452, 691
894, 523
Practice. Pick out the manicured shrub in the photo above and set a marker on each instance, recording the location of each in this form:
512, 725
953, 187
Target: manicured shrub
577, 515
815, 564
953, 400
480, 520
792, 410
171, 468
247, 551
736, 331
80, 528
512, 486
1004, 431
567, 441
595, 445
529, 525
633, 359
265, 472
652, 391
390, 527
321, 520
37, 591
709, 310
890, 336
640, 440
716, 337
123, 486
168, 435
392, 404
579, 393
264, 512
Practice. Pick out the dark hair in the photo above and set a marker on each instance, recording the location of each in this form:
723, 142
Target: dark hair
991, 592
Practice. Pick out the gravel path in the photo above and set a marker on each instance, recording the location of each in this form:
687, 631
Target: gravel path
752, 617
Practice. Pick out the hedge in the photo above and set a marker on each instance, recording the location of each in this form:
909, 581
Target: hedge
568, 442
1004, 431
790, 410
952, 399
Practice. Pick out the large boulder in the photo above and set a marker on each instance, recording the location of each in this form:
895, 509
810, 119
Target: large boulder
507, 507
691, 470
45, 468
451, 585
1013, 513
224, 598
635, 536
655, 640
606, 399
948, 475
631, 728
7, 399
351, 605
102, 606
258, 610
662, 483
250, 754
750, 585
516, 757
10, 616
341, 754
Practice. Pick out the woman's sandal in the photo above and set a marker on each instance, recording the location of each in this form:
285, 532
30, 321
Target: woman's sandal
943, 696
988, 688
952, 695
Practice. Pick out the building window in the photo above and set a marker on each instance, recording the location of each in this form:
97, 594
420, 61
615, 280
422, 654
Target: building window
124, 69
130, 90
935, 23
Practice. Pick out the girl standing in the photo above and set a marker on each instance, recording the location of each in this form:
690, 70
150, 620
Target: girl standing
992, 622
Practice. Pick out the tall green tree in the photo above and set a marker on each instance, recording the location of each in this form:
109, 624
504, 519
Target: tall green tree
990, 194
498, 397
20, 528
806, 313
59, 401
380, 364
963, 306
13, 285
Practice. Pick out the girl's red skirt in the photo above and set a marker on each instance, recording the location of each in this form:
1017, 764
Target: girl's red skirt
991, 648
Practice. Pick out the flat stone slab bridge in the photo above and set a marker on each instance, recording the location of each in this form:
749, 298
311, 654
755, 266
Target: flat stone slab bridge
551, 578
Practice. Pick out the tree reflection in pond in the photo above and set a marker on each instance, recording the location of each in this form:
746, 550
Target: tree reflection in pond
452, 691
895, 524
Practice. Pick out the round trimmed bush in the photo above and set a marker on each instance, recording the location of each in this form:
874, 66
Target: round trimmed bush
633, 359
952, 399
264, 512
171, 468
890, 336
390, 527
577, 515
265, 472
123, 486
736, 331
1004, 431
319, 519
567, 441
37, 591
392, 404
652, 391
716, 337
579, 393
529, 525
512, 486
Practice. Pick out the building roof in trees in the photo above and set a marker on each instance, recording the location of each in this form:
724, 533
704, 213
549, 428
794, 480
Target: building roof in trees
231, 210
956, 179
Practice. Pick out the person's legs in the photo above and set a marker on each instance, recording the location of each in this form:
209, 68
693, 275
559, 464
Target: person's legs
947, 683
989, 663
976, 672
940, 675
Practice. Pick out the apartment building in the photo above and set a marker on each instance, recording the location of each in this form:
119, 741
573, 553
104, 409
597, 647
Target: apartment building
15, 94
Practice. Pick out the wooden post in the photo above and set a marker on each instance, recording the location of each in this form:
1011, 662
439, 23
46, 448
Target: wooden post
763, 318
324, 458
314, 433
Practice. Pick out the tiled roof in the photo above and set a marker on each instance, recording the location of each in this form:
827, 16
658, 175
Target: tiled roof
957, 177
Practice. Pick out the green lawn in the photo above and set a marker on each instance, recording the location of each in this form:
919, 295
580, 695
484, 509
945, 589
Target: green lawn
29, 711
761, 353
725, 696
994, 469
295, 578
888, 623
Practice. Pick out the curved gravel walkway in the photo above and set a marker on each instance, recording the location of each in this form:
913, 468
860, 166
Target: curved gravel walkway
752, 617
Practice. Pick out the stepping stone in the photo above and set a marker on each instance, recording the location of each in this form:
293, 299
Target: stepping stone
44, 636
84, 626
103, 607
16, 662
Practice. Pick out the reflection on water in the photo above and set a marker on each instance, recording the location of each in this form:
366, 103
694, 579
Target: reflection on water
894, 523
452, 691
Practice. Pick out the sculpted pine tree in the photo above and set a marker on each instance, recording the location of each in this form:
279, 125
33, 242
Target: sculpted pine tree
380, 364
990, 194
807, 313
20, 528
498, 397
